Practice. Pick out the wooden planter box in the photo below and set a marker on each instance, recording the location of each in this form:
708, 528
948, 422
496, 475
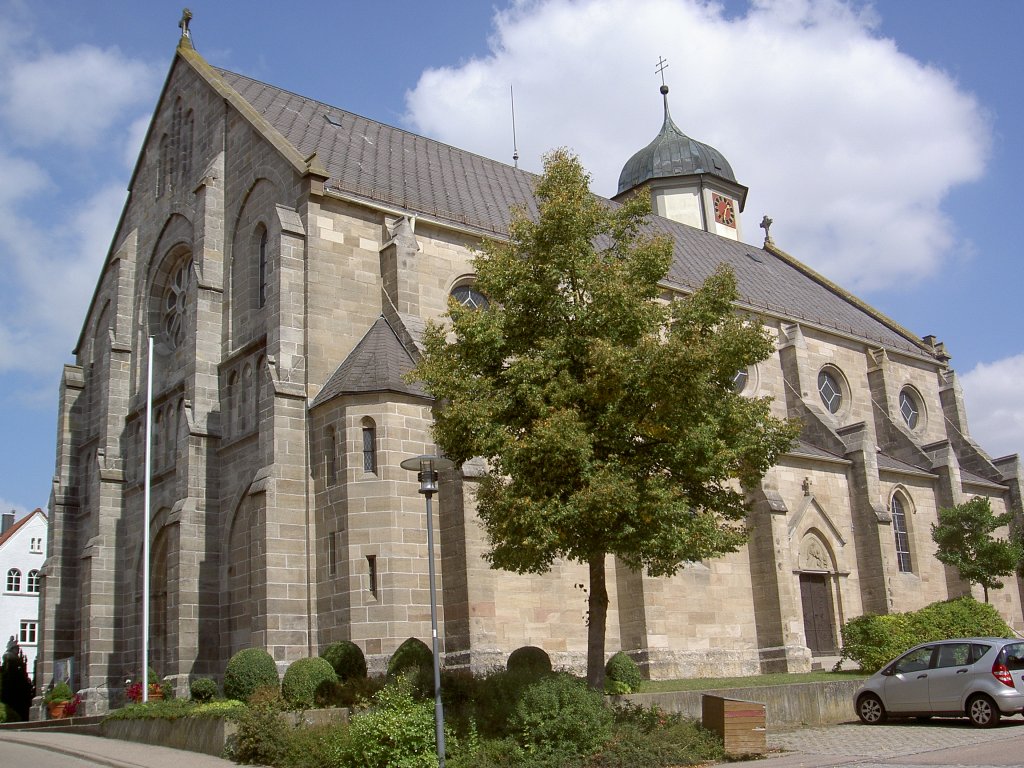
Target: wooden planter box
741, 724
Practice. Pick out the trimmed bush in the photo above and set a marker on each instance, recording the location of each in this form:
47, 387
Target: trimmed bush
560, 715
623, 670
203, 689
248, 671
398, 731
872, 641
347, 660
529, 660
303, 678
413, 654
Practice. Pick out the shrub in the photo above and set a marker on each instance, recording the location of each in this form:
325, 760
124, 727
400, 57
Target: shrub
262, 736
355, 692
247, 671
303, 677
559, 715
529, 660
398, 732
8, 714
16, 688
347, 660
872, 641
623, 670
203, 689
413, 654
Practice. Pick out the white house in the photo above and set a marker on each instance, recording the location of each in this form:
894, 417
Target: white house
22, 552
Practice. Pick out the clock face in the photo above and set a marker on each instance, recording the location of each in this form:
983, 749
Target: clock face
725, 210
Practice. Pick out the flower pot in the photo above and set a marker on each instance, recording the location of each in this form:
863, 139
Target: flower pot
156, 693
57, 709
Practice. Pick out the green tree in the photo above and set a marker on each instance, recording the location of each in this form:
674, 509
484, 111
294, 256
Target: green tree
964, 539
607, 417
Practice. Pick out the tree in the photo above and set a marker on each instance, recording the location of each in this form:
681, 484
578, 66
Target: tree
964, 540
607, 417
16, 689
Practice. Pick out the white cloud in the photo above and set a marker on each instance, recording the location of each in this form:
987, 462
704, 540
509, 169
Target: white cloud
995, 409
71, 97
6, 505
847, 143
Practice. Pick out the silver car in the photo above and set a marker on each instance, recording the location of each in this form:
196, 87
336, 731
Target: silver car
980, 678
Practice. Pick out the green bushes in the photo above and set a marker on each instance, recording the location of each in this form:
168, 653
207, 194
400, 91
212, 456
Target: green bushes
347, 660
529, 660
559, 715
413, 654
203, 689
247, 671
262, 736
622, 675
303, 678
871, 641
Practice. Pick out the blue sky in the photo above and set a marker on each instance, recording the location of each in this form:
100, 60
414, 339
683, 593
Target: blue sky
881, 138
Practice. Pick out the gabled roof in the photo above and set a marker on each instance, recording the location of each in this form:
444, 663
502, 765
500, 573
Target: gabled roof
368, 160
377, 364
19, 525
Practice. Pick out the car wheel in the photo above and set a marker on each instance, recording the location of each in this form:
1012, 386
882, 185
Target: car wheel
982, 711
870, 709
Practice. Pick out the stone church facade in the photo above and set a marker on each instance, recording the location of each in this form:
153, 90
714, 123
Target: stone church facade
285, 255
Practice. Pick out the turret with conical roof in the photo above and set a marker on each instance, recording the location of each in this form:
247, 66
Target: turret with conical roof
689, 181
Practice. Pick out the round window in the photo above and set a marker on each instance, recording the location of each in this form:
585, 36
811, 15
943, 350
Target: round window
830, 391
910, 407
468, 296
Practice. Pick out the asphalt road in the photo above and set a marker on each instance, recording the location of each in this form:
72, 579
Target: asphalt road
948, 743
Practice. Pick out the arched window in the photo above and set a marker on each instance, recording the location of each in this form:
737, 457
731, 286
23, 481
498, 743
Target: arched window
176, 144
910, 407
162, 168
13, 580
245, 394
185, 151
33, 581
468, 296
899, 529
175, 303
369, 446
230, 405
263, 267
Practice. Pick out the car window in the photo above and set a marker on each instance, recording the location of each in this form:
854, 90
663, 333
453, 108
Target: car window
977, 651
954, 655
1013, 656
914, 661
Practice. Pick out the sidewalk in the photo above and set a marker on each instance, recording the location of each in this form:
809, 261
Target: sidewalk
113, 752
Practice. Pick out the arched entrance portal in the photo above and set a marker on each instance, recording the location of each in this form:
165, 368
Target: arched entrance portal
817, 577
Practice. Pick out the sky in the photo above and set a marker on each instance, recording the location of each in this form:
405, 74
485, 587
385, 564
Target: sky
881, 138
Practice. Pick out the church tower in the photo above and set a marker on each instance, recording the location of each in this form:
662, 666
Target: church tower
688, 181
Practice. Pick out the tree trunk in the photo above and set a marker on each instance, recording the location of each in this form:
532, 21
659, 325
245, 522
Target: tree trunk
984, 590
598, 604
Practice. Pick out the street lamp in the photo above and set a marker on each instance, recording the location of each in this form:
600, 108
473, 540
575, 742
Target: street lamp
427, 468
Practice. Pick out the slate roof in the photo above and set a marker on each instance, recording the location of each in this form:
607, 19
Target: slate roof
377, 364
803, 448
970, 477
886, 461
378, 162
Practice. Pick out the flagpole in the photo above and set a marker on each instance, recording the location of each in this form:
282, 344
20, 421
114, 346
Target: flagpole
145, 525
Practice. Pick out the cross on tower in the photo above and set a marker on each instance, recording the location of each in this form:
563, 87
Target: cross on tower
660, 69
186, 17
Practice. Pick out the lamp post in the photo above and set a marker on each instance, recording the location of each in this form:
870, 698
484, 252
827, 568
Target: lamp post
427, 468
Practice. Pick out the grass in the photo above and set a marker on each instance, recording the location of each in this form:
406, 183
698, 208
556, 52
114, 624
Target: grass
755, 681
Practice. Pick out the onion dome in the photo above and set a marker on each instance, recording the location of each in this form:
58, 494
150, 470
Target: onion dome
672, 153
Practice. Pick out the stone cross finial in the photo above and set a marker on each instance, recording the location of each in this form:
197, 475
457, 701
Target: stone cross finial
766, 225
186, 17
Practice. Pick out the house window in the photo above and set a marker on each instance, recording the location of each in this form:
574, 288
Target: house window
36, 545
28, 632
830, 391
332, 457
369, 448
33, 581
263, 267
371, 572
13, 580
899, 529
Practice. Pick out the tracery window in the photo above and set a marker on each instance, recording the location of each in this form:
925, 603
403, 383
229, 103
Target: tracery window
468, 296
175, 304
369, 446
263, 267
830, 391
13, 580
910, 407
739, 381
899, 529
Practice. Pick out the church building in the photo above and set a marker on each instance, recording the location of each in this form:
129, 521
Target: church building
285, 255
